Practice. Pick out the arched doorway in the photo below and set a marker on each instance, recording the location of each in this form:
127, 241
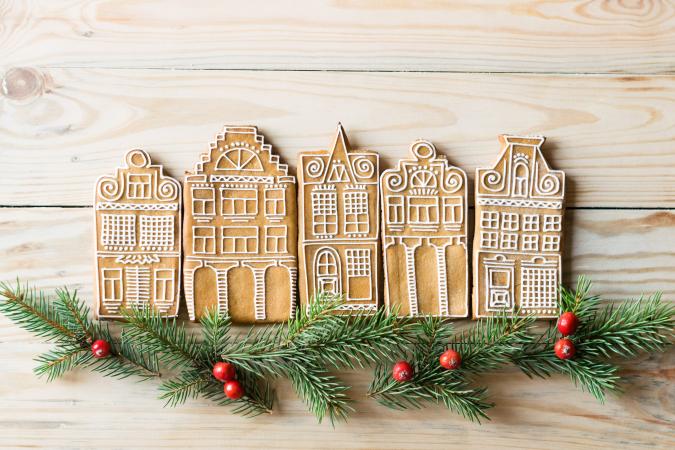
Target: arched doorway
240, 294
278, 293
327, 272
426, 272
456, 273
397, 279
205, 290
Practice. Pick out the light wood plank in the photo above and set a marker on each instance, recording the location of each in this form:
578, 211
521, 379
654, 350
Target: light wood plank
60, 129
486, 36
626, 253
83, 411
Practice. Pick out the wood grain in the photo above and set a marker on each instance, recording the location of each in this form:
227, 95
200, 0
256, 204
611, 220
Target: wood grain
399, 35
613, 135
82, 412
625, 252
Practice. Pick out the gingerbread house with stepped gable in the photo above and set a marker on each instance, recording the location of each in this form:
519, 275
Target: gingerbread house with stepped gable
518, 237
240, 231
138, 239
424, 235
339, 224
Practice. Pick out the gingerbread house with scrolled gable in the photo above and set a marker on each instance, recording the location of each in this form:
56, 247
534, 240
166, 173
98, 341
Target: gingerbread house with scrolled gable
424, 235
518, 234
138, 239
240, 232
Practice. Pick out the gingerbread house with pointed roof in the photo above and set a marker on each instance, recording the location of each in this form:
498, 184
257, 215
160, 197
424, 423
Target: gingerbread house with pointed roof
339, 224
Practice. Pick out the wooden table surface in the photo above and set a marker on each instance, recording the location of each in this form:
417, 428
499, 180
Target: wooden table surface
85, 80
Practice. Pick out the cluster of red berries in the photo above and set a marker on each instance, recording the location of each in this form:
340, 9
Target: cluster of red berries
567, 325
225, 372
403, 371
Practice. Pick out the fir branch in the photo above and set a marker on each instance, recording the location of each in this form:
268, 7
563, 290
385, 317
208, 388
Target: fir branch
430, 383
323, 393
259, 398
171, 343
490, 343
187, 385
56, 362
215, 338
632, 327
74, 314
32, 311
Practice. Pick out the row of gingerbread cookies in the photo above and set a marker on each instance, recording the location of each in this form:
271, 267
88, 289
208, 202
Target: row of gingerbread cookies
249, 243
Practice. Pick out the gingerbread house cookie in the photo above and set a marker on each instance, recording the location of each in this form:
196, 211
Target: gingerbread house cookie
339, 225
424, 211
518, 238
138, 239
240, 234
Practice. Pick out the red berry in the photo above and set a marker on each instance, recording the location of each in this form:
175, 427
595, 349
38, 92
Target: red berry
402, 371
451, 359
100, 349
568, 323
233, 390
224, 371
564, 349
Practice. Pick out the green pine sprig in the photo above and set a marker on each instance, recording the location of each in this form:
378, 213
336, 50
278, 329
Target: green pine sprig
431, 383
605, 333
65, 321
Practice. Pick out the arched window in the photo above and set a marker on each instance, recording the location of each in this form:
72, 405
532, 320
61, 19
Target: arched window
521, 177
327, 271
422, 179
239, 159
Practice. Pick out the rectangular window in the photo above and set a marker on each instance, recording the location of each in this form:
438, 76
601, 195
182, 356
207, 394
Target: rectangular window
509, 241
489, 220
204, 239
240, 239
239, 202
551, 244
139, 185
358, 274
395, 209
324, 213
488, 239
538, 287
112, 285
118, 230
275, 239
164, 285
530, 222
156, 232
530, 242
356, 211
552, 222
509, 221
203, 201
453, 211
275, 204
423, 210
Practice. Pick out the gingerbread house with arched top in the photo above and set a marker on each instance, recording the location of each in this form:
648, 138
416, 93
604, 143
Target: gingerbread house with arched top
138, 239
424, 212
240, 235
518, 238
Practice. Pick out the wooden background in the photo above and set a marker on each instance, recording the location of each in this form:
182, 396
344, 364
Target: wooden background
85, 80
